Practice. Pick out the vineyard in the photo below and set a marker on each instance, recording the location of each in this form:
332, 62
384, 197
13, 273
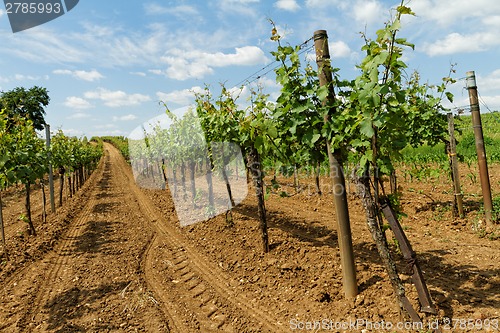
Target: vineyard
332, 208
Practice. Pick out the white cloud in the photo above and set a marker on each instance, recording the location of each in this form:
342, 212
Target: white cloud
241, 7
288, 5
197, 64
156, 71
492, 101
74, 102
449, 12
181, 69
490, 82
315, 4
72, 132
127, 117
180, 97
459, 43
78, 115
369, 12
91, 76
155, 9
22, 77
116, 98
492, 21
137, 73
339, 49
42, 45
242, 2
183, 12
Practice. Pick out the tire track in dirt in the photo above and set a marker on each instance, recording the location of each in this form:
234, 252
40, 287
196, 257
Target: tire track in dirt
176, 323
60, 258
36, 286
208, 286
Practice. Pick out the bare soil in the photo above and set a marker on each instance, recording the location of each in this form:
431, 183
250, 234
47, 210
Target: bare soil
114, 259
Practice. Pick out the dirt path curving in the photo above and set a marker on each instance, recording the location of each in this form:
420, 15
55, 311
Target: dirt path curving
119, 267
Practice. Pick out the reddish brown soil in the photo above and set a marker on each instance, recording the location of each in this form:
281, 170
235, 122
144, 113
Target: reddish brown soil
114, 259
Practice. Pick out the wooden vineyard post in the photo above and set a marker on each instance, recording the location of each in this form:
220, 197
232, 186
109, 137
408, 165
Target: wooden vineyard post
255, 168
51, 173
481, 151
454, 166
337, 174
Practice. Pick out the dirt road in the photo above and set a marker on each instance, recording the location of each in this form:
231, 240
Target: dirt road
119, 268
115, 259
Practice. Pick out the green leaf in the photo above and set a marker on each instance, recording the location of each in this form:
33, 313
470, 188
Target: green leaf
259, 142
322, 93
450, 96
272, 131
403, 41
404, 10
366, 128
393, 101
315, 138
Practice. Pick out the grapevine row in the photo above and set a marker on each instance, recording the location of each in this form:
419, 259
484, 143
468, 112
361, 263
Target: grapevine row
25, 159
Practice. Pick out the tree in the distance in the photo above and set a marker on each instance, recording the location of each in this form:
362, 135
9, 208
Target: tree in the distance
26, 103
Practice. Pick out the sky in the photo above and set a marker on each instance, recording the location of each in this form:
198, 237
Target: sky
108, 64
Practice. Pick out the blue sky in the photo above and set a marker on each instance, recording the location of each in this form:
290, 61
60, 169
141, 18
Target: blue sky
107, 64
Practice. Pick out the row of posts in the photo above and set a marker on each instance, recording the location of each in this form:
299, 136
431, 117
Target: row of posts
344, 229
345, 238
480, 150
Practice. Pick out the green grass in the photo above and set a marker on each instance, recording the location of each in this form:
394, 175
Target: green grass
121, 143
466, 148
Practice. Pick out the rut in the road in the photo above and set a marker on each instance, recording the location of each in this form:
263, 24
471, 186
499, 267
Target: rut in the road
203, 289
120, 267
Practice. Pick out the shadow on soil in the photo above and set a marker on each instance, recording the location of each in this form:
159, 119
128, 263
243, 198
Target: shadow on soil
469, 206
311, 231
77, 302
96, 236
463, 283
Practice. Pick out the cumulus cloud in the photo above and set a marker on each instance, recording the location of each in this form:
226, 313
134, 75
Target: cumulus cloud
22, 77
90, 76
339, 49
448, 12
315, 4
288, 5
493, 21
116, 98
460, 43
369, 12
490, 82
241, 7
127, 117
183, 65
74, 102
180, 97
138, 73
